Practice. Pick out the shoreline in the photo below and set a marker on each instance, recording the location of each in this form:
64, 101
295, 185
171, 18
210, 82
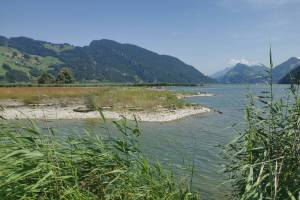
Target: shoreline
53, 113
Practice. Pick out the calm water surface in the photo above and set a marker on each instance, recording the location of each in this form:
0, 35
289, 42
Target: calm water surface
176, 144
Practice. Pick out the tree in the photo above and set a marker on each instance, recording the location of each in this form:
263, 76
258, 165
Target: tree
35, 72
45, 78
13, 76
65, 76
6, 66
26, 56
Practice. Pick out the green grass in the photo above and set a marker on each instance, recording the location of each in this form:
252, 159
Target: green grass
134, 97
116, 97
36, 164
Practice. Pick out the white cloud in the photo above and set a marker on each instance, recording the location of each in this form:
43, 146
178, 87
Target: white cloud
235, 61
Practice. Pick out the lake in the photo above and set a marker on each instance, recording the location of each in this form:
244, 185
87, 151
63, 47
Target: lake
178, 144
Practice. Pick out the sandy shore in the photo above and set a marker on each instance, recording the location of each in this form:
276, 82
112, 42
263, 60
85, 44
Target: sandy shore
51, 112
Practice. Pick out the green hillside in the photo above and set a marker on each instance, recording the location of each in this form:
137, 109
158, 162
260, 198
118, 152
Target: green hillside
110, 61
13, 61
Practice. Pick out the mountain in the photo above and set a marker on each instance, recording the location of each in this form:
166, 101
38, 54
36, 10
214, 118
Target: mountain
108, 60
284, 68
292, 77
221, 73
242, 73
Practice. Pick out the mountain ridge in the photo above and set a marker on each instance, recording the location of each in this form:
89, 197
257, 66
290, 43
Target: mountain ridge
109, 60
279, 72
292, 77
284, 68
243, 73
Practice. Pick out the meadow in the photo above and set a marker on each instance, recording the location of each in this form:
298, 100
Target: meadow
114, 97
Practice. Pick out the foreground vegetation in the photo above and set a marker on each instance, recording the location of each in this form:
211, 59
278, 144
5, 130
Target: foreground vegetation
95, 97
36, 164
264, 161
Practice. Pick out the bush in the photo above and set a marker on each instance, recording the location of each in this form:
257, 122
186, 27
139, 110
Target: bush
43, 165
65, 76
35, 72
264, 161
45, 78
6, 66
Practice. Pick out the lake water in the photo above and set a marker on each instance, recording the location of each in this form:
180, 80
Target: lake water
176, 144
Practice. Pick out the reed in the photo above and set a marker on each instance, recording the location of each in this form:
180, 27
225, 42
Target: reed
264, 161
40, 164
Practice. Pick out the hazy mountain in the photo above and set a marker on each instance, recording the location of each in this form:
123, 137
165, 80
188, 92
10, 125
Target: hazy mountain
221, 73
291, 77
242, 73
107, 60
284, 68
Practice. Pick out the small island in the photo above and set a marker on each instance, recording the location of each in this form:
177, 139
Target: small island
115, 102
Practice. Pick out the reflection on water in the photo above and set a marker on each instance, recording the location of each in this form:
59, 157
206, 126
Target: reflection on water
176, 144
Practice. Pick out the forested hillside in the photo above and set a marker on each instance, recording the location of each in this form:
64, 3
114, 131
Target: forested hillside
107, 60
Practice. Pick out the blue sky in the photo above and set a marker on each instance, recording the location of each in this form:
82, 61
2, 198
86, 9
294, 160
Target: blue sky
208, 34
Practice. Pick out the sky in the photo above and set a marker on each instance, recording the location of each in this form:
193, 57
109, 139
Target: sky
207, 34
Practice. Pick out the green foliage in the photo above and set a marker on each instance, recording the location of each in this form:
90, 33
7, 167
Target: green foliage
130, 98
35, 72
6, 66
33, 65
65, 76
58, 47
13, 76
46, 78
264, 161
36, 164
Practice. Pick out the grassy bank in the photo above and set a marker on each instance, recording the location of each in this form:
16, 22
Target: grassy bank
39, 164
96, 84
120, 97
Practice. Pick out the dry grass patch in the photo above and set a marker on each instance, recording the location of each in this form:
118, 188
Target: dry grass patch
128, 98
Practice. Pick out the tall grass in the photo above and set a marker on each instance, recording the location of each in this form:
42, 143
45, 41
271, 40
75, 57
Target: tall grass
40, 164
104, 96
264, 161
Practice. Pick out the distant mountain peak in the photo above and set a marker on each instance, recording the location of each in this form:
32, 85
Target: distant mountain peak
103, 41
284, 68
244, 73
